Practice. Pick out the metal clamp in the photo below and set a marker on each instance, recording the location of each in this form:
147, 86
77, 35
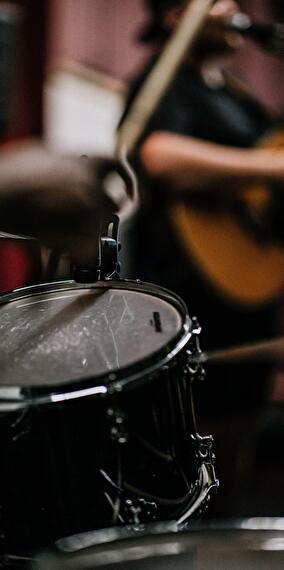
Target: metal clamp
207, 477
194, 365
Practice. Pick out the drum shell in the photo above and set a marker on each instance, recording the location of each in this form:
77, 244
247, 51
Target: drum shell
63, 461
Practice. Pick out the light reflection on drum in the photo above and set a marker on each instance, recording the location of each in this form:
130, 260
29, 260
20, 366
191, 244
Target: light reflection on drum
249, 544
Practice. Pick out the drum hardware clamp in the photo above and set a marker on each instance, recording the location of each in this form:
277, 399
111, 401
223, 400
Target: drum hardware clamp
206, 456
133, 508
194, 365
207, 477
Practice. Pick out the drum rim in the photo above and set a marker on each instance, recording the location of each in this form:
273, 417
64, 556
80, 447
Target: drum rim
153, 537
106, 383
174, 545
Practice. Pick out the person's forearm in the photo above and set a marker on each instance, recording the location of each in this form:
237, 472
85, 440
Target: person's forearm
186, 163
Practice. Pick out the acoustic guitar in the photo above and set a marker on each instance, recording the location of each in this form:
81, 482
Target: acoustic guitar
161, 75
228, 245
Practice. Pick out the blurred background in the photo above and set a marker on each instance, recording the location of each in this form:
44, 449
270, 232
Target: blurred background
85, 52
66, 65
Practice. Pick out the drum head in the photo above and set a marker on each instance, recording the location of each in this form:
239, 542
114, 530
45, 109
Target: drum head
243, 547
58, 335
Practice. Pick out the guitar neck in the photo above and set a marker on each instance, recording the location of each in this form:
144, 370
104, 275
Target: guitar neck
161, 75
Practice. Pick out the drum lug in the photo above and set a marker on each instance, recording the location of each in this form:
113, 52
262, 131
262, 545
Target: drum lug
205, 455
114, 387
194, 366
207, 478
117, 426
204, 446
138, 510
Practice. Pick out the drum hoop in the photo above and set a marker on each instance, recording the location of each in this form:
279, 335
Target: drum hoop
132, 285
118, 536
161, 540
14, 397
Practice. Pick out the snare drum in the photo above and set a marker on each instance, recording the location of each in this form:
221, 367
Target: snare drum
97, 424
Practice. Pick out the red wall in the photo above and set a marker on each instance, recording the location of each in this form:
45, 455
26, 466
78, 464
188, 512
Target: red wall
97, 32
28, 63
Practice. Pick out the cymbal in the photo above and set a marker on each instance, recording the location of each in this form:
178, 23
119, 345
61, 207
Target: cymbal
271, 350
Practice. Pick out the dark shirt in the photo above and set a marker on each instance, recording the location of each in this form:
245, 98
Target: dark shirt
216, 114
220, 115
189, 107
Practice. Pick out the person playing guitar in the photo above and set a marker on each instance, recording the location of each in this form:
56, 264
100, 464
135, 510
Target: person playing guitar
205, 226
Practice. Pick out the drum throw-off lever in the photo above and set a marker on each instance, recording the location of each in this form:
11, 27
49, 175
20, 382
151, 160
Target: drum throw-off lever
107, 265
194, 353
109, 249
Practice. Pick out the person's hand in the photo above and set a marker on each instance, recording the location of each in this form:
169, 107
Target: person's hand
214, 32
60, 200
222, 9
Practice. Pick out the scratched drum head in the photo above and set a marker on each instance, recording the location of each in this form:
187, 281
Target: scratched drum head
58, 334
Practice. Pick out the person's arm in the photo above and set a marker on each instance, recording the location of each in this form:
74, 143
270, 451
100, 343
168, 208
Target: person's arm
60, 200
185, 163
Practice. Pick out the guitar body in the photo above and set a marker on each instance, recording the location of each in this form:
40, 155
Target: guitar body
245, 270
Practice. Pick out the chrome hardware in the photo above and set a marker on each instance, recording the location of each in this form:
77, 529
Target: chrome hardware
205, 456
117, 426
135, 511
194, 365
207, 478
